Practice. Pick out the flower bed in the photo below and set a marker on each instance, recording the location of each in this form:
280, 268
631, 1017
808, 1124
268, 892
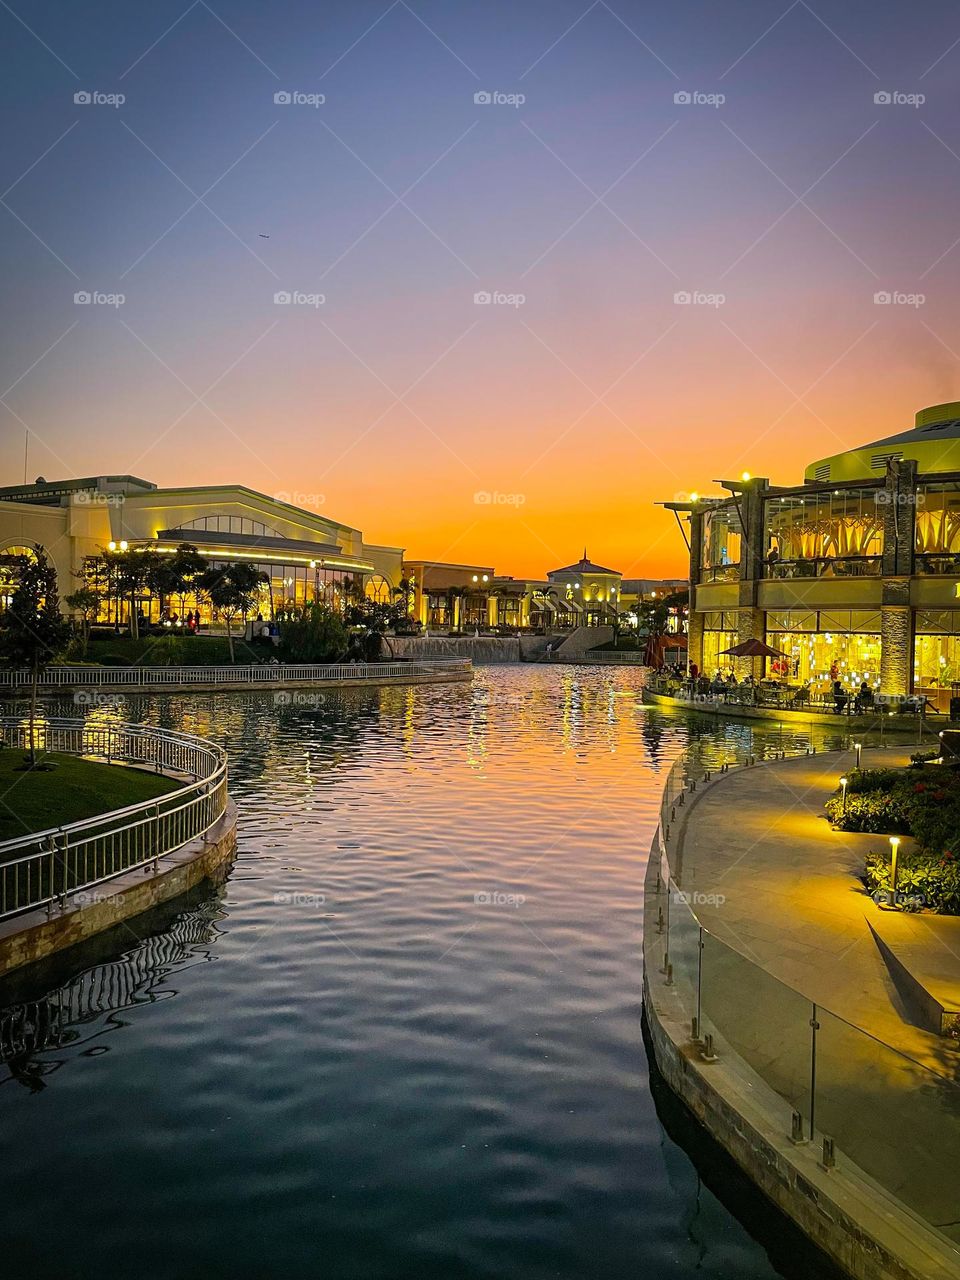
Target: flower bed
922, 801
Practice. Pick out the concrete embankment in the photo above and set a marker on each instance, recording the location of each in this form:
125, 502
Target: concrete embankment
35, 935
482, 650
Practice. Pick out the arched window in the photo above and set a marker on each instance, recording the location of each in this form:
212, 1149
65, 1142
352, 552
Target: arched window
229, 524
11, 557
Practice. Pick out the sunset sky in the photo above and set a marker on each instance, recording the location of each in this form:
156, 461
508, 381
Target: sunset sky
399, 399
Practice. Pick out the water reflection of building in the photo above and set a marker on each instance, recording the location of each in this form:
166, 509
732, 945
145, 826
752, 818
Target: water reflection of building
70, 1016
854, 573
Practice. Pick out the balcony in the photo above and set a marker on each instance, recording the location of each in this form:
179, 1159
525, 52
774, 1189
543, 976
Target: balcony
721, 573
825, 567
937, 562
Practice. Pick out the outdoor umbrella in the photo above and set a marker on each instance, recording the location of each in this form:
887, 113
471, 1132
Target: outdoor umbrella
753, 649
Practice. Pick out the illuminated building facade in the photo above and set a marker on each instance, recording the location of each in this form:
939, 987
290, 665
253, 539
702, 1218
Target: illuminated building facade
852, 575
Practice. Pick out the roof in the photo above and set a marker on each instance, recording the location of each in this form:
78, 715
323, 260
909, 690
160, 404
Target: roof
585, 565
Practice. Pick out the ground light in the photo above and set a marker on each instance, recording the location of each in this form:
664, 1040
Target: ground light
843, 800
858, 747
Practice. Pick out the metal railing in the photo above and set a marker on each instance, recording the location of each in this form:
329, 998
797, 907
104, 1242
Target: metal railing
707, 694
42, 868
893, 1117
268, 673
825, 567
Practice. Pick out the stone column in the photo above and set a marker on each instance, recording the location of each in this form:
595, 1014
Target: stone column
694, 638
750, 626
896, 646
898, 497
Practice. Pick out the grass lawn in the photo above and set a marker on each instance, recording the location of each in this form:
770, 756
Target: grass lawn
75, 789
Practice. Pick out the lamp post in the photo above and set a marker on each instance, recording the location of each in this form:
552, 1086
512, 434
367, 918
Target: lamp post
894, 849
843, 794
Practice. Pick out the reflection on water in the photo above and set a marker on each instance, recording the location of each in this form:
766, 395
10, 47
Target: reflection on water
405, 1038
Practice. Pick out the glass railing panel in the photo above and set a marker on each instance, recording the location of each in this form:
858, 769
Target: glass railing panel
760, 1019
898, 1120
683, 948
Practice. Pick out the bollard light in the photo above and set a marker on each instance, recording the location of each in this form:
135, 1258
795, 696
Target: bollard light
843, 794
858, 747
894, 851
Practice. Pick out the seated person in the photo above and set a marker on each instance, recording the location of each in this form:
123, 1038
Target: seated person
839, 698
864, 696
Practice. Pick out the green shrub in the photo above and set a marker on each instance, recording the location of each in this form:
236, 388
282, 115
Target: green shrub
876, 811
863, 780
924, 880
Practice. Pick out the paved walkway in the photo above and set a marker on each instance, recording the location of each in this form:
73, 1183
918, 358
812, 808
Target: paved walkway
775, 884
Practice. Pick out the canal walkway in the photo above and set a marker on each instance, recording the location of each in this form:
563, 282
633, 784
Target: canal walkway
780, 886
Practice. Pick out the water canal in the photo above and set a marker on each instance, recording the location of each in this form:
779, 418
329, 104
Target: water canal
404, 1038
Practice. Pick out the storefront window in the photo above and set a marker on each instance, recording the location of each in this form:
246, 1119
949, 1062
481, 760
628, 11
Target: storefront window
722, 535
936, 655
938, 528
719, 633
821, 647
836, 533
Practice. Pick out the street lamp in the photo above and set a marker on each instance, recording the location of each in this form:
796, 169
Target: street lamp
894, 850
843, 800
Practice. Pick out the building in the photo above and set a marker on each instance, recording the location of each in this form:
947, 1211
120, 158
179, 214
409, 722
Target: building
305, 556
854, 574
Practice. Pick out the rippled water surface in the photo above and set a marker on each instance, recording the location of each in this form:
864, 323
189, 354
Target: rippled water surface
404, 1038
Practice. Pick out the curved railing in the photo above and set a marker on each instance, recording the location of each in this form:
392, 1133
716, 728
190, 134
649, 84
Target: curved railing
264, 673
40, 869
892, 1117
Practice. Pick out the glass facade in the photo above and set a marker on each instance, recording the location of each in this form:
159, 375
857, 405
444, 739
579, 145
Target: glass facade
936, 655
229, 524
722, 541
937, 542
719, 633
820, 647
834, 533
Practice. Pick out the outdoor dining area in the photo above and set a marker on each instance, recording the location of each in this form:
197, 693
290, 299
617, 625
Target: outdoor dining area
828, 695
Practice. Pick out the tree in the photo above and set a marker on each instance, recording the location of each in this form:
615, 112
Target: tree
32, 630
312, 633
132, 570
86, 602
176, 574
231, 590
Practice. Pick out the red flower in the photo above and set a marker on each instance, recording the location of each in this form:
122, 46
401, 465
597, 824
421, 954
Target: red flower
919, 787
